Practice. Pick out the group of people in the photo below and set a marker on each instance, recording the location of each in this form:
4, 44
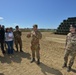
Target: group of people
9, 36
70, 46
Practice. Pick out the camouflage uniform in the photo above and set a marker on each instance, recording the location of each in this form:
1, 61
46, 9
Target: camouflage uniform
70, 48
17, 39
35, 46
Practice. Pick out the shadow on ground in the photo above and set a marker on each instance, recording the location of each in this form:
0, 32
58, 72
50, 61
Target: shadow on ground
16, 57
1, 74
46, 69
73, 70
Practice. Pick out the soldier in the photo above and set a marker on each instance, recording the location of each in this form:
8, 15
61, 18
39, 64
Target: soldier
17, 38
70, 48
35, 46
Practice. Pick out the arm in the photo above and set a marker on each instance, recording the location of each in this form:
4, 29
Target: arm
66, 41
28, 35
38, 35
20, 33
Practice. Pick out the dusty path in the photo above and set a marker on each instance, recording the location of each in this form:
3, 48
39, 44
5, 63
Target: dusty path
52, 52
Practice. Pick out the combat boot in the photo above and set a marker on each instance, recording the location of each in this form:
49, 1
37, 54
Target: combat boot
64, 65
3, 52
21, 50
68, 69
32, 60
38, 61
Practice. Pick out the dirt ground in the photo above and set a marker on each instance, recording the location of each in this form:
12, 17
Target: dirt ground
52, 52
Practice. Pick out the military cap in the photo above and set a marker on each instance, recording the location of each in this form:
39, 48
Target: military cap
17, 26
35, 25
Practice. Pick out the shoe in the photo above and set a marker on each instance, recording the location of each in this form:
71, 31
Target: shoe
68, 69
38, 61
3, 52
64, 65
21, 50
32, 60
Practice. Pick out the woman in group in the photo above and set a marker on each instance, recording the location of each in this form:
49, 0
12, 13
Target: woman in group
9, 40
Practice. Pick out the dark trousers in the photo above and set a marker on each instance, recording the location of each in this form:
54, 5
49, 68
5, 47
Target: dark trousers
2, 45
10, 47
18, 41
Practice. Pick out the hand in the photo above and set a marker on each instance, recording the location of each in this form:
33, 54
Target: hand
33, 33
28, 35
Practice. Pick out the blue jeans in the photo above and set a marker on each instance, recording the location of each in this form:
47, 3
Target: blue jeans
10, 47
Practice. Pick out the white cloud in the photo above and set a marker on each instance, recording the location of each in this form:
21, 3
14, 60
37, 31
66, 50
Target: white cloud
1, 18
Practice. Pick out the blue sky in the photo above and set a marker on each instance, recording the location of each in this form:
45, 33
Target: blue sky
45, 13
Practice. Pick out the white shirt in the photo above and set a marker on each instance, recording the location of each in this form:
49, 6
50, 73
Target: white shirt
9, 36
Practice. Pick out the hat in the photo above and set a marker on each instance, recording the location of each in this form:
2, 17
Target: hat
35, 25
73, 25
17, 26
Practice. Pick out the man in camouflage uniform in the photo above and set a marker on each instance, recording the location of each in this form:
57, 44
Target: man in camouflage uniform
17, 38
70, 48
35, 46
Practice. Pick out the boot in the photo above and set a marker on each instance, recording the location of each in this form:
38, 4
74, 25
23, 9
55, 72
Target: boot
32, 60
38, 61
16, 49
68, 69
21, 50
3, 52
64, 65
